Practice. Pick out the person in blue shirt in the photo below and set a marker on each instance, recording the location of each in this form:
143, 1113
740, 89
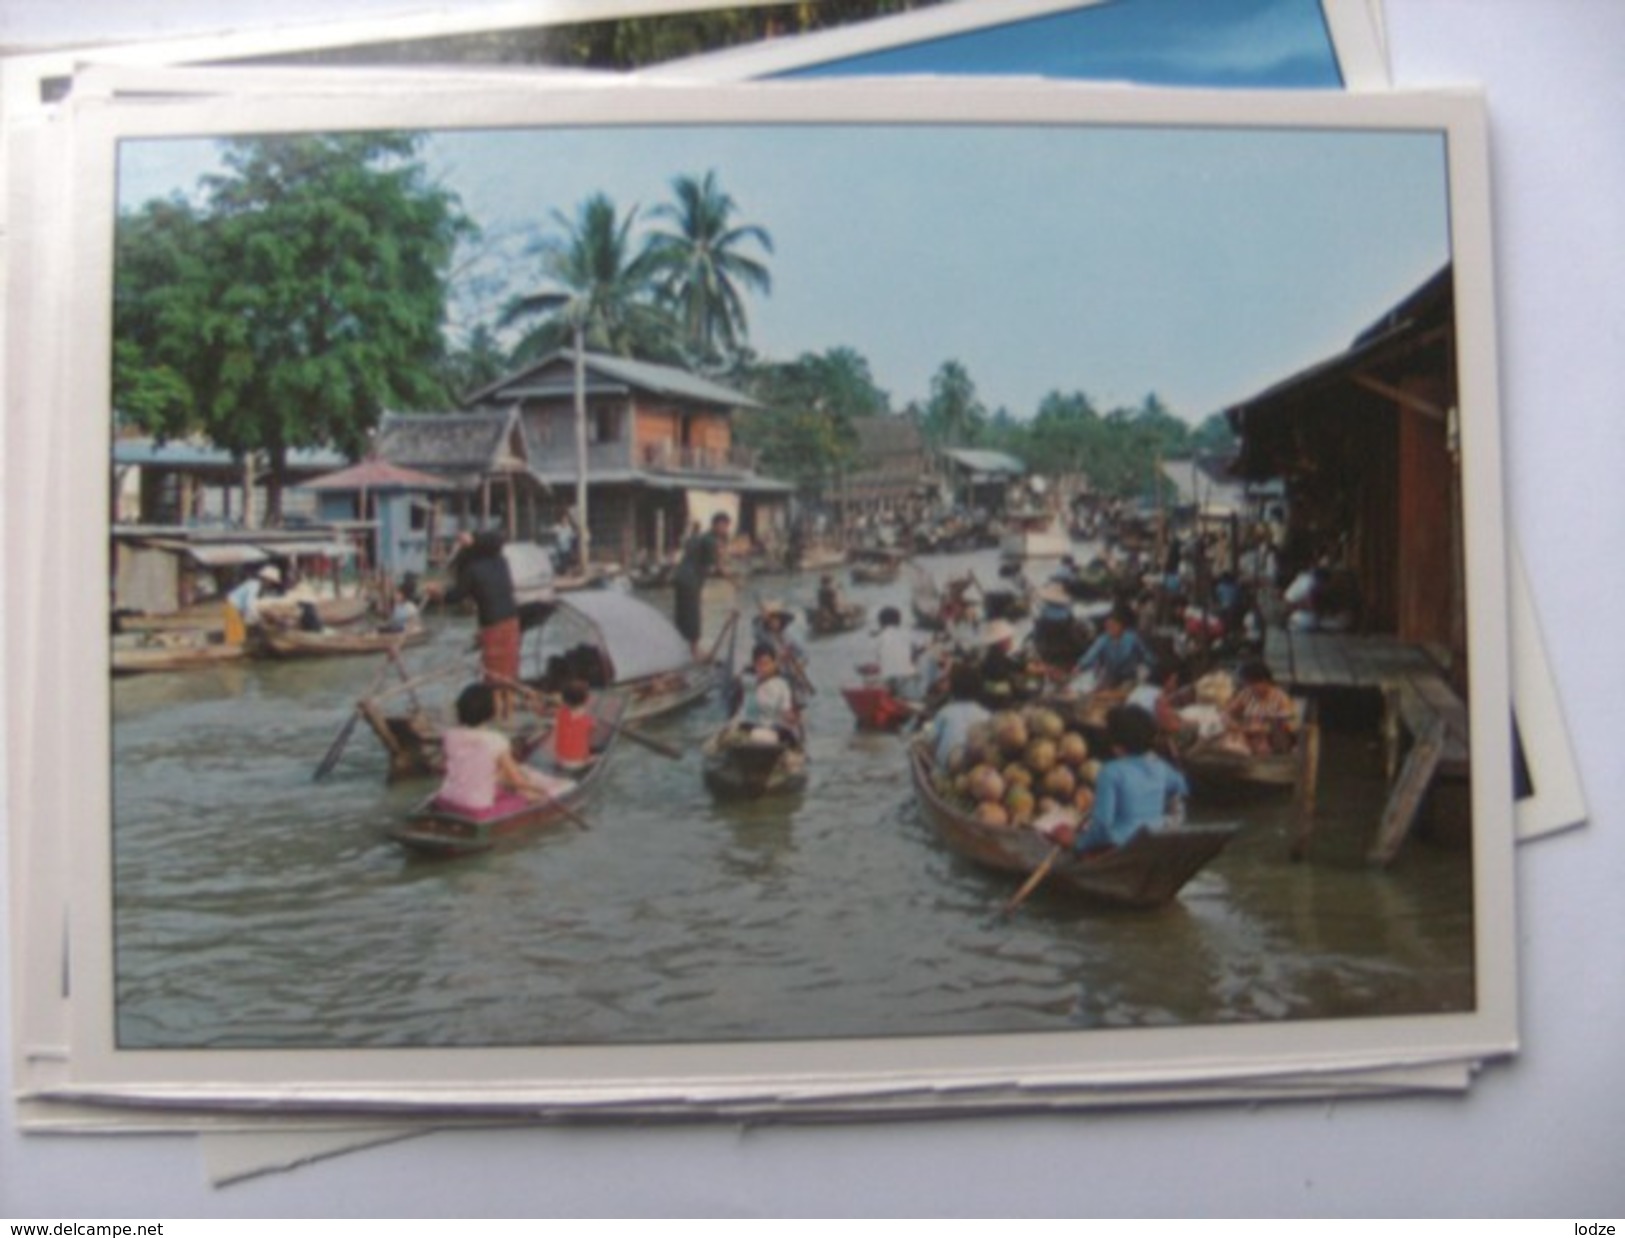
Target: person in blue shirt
1117, 654
1135, 789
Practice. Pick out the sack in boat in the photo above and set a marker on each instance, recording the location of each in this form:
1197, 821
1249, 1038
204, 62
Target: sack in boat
1215, 688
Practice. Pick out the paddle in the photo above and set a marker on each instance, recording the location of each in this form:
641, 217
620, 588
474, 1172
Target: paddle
336, 748
666, 750
564, 810
1033, 881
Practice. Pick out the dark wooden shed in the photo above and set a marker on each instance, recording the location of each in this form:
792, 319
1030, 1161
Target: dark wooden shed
1367, 445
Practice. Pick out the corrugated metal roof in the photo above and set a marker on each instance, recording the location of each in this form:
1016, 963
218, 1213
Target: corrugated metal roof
980, 460
192, 453
473, 442
639, 375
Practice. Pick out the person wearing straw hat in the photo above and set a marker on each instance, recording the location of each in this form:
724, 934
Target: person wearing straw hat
771, 627
243, 602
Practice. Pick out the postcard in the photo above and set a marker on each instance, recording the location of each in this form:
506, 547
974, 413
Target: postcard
240, 933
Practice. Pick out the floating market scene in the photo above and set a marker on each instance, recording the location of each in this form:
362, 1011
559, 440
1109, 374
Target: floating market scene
626, 586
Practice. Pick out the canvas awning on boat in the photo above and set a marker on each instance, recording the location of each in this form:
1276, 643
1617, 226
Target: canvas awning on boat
213, 555
638, 639
311, 550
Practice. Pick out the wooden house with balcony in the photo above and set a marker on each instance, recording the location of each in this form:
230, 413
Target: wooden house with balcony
660, 453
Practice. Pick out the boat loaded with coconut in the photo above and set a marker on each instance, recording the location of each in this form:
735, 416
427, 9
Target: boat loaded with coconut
1023, 766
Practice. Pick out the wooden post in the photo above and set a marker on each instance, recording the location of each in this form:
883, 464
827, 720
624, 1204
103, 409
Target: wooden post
1406, 799
1308, 780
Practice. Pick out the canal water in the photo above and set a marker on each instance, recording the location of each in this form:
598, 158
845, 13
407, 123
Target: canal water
257, 908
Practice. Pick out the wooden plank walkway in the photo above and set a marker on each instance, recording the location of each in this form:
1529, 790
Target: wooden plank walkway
1416, 699
1321, 660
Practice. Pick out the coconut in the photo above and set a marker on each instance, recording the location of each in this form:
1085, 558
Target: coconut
1010, 732
1040, 756
1073, 749
986, 783
1018, 775
1045, 722
1060, 782
1090, 771
958, 761
989, 813
1020, 803
1084, 799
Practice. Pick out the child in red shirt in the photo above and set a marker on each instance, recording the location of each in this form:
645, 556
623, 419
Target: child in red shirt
572, 728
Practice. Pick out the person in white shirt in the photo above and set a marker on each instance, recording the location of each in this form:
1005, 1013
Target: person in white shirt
769, 702
895, 655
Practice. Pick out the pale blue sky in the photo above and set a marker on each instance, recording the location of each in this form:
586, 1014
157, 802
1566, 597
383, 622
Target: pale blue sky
1199, 264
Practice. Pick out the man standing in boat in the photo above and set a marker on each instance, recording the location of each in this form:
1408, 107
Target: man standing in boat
704, 554
481, 573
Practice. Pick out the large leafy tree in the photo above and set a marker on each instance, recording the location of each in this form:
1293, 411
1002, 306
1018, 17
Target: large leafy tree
704, 270
302, 298
805, 429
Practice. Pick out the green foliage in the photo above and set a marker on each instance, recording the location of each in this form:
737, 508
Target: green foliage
302, 299
954, 416
805, 431
599, 277
632, 42
701, 269
1214, 436
478, 363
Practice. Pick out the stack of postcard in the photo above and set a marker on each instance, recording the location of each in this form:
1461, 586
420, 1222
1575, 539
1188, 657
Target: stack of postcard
1080, 331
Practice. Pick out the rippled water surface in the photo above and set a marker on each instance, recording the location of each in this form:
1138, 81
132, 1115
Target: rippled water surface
257, 908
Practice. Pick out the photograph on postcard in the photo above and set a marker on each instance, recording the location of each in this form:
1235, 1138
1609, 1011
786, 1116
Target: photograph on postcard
760, 572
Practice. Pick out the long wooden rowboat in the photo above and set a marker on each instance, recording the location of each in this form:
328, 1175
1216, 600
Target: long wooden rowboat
153, 652
440, 829
742, 767
296, 643
1148, 872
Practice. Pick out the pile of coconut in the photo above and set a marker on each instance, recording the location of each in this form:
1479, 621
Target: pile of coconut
1020, 765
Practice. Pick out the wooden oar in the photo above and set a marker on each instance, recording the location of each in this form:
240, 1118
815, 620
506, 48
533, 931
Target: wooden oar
666, 750
336, 748
1033, 881
568, 813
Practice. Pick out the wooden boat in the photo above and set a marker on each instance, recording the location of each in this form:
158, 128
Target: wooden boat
875, 708
1035, 535
1211, 766
152, 652
876, 567
753, 764
281, 642
1148, 872
615, 643
435, 828
849, 618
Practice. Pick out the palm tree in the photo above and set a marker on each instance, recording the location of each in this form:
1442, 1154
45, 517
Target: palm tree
599, 294
703, 274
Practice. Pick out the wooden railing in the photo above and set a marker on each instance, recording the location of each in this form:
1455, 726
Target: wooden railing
674, 458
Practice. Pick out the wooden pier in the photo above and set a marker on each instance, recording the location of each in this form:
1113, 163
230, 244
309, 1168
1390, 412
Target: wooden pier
1417, 701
